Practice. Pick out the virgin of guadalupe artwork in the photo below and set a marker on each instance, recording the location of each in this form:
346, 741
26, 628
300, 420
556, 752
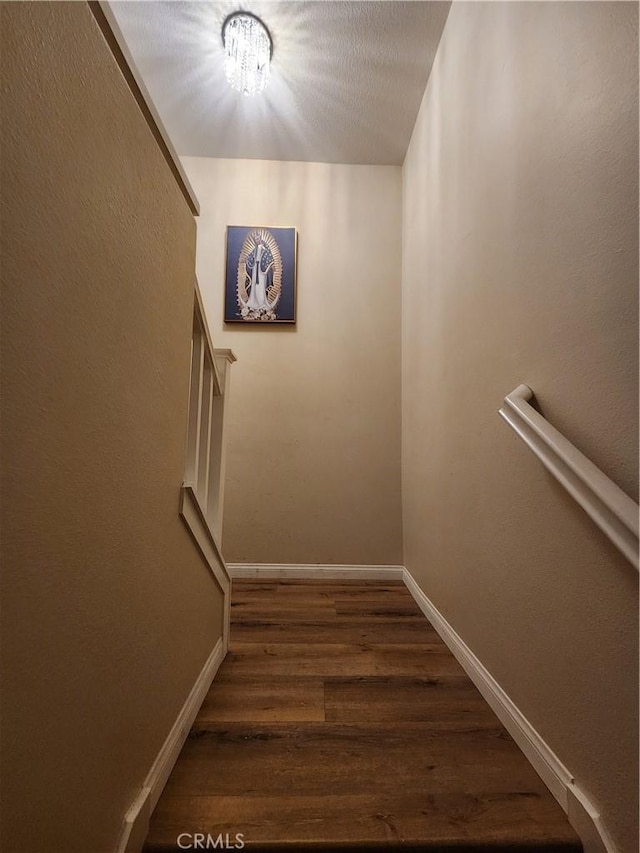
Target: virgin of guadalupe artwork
261, 275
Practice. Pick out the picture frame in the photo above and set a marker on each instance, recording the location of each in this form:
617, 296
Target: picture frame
260, 274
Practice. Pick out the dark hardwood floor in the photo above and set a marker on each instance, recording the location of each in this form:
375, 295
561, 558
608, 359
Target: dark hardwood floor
340, 721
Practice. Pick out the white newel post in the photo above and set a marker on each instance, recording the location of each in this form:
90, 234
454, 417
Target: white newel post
224, 358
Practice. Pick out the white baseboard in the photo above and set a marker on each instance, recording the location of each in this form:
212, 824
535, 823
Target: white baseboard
136, 823
314, 571
587, 822
583, 816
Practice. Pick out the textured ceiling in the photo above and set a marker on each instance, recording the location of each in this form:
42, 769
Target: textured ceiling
347, 78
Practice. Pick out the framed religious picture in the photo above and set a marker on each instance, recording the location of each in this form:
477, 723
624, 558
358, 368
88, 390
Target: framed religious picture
260, 279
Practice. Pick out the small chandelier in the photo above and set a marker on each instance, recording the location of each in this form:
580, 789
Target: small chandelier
248, 49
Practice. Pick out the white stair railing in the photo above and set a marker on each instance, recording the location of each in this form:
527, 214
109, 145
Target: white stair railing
615, 513
205, 457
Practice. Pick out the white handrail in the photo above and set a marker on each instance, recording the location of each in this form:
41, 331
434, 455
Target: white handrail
615, 513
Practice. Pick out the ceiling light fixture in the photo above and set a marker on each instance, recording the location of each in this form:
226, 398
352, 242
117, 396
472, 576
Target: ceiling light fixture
248, 49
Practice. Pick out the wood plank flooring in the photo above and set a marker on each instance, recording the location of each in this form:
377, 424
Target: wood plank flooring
340, 721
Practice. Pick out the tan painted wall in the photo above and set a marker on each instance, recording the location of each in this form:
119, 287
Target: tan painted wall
520, 259
108, 612
313, 465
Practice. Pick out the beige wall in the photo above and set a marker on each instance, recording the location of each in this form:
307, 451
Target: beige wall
520, 264
108, 612
313, 465
520, 260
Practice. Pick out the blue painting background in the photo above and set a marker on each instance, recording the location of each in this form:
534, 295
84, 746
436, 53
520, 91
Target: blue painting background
286, 240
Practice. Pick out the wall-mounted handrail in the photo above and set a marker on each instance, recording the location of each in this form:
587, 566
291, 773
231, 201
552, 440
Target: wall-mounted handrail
615, 513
